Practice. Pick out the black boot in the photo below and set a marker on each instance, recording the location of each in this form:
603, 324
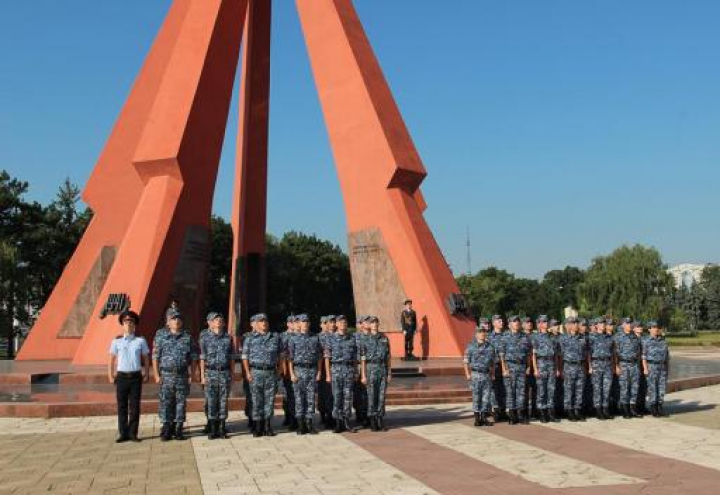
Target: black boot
607, 414
543, 416
660, 410
338, 425
625, 411
286, 420
366, 421
600, 414
212, 429
310, 427
477, 419
579, 415
208, 427
381, 424
551, 416
483, 420
257, 428
179, 432
293, 422
222, 429
512, 420
571, 415
172, 430
301, 427
634, 412
347, 427
523, 417
165, 432
268, 429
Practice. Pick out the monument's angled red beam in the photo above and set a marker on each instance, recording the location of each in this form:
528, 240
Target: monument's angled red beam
113, 191
249, 206
379, 168
177, 159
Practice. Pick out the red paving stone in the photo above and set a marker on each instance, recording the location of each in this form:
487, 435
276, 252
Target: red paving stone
451, 472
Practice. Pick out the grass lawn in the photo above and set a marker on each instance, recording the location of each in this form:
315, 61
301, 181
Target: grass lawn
704, 338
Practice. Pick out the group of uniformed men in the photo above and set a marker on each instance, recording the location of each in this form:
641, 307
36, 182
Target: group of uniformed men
521, 371
342, 369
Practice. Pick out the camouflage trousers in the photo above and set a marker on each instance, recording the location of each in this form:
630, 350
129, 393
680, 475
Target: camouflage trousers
304, 390
262, 390
629, 382
343, 379
376, 389
481, 386
545, 383
360, 399
248, 399
602, 377
174, 389
574, 386
515, 386
497, 397
656, 383
217, 392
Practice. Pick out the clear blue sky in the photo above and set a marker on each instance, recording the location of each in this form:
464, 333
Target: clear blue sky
555, 130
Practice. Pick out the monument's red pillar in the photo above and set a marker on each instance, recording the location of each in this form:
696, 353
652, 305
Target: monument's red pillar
248, 288
393, 254
112, 192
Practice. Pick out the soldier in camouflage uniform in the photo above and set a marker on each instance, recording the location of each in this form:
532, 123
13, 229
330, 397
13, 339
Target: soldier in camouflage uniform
497, 399
602, 364
479, 364
628, 351
204, 333
656, 362
341, 355
173, 358
574, 361
305, 359
288, 402
584, 332
515, 356
531, 405
545, 366
261, 357
642, 381
360, 392
376, 372
324, 388
217, 361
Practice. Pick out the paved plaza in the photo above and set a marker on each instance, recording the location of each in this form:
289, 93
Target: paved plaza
429, 450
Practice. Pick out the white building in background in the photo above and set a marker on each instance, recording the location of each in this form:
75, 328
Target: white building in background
688, 274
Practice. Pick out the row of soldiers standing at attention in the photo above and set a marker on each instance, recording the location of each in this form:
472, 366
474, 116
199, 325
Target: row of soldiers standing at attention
333, 365
516, 371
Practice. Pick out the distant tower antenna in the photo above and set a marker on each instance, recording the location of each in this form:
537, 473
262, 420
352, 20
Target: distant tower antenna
467, 243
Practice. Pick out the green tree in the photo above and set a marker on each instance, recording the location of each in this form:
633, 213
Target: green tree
709, 288
562, 286
217, 295
631, 281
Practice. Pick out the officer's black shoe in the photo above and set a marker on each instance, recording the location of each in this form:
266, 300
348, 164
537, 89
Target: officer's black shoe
572, 415
477, 419
293, 424
607, 414
251, 425
579, 415
135, 439
661, 411
599, 414
310, 427
483, 420
543, 416
634, 412
347, 427
165, 434
511, 417
374, 424
179, 432
524, 419
121, 439
625, 411
212, 432
172, 430
268, 428
222, 429
208, 427
302, 427
338, 426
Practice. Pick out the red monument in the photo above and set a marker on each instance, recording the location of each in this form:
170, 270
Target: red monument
152, 187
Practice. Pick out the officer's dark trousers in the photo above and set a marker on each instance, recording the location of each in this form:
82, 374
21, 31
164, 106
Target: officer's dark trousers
128, 389
409, 342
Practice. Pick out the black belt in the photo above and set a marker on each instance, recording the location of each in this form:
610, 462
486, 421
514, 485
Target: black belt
217, 368
262, 367
628, 360
347, 363
174, 370
573, 362
305, 365
484, 370
128, 373
514, 362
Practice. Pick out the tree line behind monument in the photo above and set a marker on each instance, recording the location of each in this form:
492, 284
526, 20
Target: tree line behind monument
308, 274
